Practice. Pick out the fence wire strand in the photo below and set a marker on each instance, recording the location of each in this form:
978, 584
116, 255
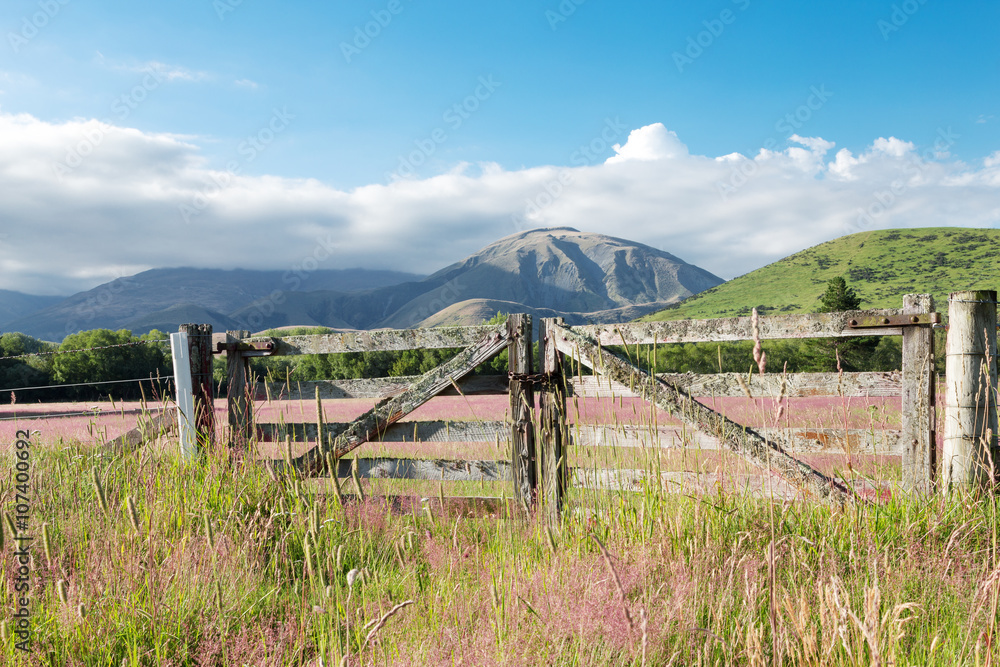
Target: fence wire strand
92, 413
88, 384
83, 349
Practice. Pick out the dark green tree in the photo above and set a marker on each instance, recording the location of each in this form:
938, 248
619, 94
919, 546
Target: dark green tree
25, 372
839, 297
852, 354
110, 363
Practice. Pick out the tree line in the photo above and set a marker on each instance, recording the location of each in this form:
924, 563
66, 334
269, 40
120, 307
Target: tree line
51, 365
152, 359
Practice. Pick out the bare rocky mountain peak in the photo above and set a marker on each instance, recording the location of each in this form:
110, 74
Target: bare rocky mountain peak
557, 271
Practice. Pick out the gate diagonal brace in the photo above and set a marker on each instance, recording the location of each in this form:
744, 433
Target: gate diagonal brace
679, 404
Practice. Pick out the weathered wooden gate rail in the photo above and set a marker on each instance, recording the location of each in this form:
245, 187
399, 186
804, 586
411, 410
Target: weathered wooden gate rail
544, 475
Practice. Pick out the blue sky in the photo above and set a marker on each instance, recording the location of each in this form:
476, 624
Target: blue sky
414, 132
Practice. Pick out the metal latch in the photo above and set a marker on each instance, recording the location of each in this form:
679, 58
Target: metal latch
247, 348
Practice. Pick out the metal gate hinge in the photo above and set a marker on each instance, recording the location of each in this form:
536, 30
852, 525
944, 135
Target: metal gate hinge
876, 321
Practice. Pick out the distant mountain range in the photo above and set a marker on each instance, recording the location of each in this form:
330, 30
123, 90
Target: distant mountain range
164, 298
15, 305
881, 266
548, 272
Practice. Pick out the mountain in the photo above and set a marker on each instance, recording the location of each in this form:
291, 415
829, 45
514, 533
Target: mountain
558, 271
15, 305
549, 272
881, 266
165, 298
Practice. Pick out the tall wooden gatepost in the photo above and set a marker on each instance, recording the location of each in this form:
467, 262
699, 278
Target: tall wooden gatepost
522, 411
239, 390
199, 337
919, 449
553, 466
970, 418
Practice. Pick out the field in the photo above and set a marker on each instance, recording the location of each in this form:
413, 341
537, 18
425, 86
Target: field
149, 560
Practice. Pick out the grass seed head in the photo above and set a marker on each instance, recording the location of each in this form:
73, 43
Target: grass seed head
99, 490
47, 543
133, 514
62, 589
209, 533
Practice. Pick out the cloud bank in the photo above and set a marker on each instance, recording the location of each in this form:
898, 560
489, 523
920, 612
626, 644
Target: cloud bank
83, 202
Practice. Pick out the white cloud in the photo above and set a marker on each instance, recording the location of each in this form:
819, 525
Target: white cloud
119, 210
652, 142
246, 83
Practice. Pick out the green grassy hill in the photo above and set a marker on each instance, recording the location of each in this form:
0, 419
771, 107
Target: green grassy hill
881, 266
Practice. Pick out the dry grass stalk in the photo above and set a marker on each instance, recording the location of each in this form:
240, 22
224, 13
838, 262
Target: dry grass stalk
759, 356
618, 581
381, 622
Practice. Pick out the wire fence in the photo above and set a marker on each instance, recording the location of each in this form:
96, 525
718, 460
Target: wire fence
155, 379
159, 378
83, 349
86, 413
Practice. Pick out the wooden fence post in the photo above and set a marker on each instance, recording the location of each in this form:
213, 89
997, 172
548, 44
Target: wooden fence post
238, 391
970, 418
199, 338
918, 393
180, 353
553, 465
522, 412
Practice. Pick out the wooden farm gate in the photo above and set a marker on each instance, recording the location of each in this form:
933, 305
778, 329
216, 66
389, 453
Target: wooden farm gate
396, 398
538, 464
773, 449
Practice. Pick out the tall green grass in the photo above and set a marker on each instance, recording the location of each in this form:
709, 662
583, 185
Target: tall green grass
217, 562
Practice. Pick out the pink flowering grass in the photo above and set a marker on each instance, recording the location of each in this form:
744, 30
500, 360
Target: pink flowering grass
223, 563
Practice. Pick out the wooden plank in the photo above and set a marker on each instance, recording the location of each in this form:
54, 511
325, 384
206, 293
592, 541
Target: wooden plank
798, 440
522, 412
454, 506
919, 449
798, 385
970, 418
380, 340
795, 440
676, 402
148, 429
388, 411
376, 387
682, 482
427, 469
422, 431
804, 325
553, 468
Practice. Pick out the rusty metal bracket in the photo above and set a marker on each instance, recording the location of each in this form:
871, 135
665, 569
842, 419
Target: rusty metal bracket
247, 348
875, 322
